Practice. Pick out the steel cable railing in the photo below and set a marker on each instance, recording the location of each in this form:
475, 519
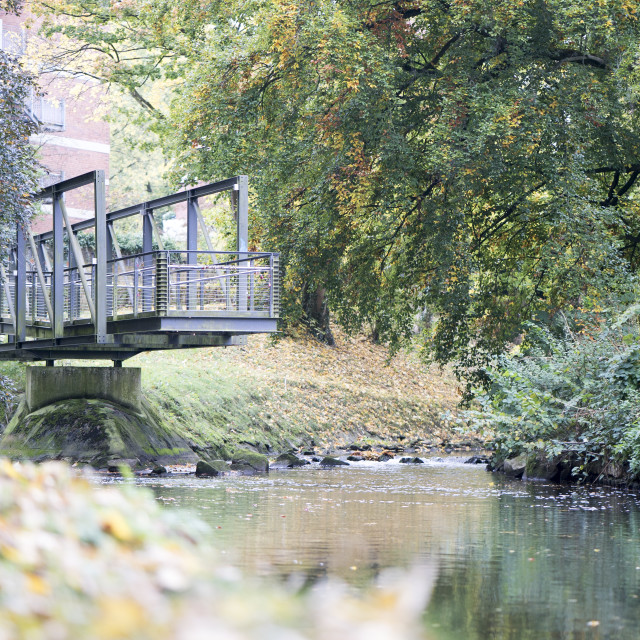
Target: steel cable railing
161, 282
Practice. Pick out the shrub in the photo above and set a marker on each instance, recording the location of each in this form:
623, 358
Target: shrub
7, 399
574, 394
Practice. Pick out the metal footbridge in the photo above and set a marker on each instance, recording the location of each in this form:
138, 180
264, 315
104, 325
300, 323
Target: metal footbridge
55, 303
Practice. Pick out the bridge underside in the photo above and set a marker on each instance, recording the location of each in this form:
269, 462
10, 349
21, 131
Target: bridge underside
58, 305
129, 337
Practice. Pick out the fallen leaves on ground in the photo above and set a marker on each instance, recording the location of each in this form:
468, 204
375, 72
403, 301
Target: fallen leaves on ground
351, 390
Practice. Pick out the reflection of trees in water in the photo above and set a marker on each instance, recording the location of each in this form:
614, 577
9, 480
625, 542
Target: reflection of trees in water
479, 528
336, 520
548, 562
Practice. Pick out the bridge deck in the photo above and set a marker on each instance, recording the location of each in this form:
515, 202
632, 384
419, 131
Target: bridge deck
117, 306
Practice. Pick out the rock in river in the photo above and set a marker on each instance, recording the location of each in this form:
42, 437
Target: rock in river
541, 468
412, 461
514, 467
328, 461
243, 459
477, 460
288, 461
206, 470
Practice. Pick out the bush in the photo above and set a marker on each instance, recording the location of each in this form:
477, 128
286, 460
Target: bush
7, 399
575, 395
80, 561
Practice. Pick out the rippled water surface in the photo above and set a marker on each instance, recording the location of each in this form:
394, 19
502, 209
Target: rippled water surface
512, 560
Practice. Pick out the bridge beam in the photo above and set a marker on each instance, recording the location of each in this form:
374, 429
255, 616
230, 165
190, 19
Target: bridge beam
243, 238
57, 289
147, 248
21, 287
100, 283
41, 279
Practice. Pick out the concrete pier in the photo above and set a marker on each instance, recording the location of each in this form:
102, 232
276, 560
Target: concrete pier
46, 385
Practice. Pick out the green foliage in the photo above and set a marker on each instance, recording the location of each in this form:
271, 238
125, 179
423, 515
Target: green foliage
577, 394
80, 561
17, 162
479, 159
7, 399
130, 242
137, 166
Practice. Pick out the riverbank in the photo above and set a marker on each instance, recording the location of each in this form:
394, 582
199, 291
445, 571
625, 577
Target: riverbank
566, 467
296, 394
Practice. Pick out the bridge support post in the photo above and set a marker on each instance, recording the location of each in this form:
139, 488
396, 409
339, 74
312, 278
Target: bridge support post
46, 385
100, 284
147, 247
192, 248
21, 288
57, 292
243, 240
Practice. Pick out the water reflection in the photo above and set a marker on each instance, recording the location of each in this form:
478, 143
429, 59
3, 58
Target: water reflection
514, 560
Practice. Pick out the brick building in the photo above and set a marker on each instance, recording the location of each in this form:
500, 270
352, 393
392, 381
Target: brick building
73, 138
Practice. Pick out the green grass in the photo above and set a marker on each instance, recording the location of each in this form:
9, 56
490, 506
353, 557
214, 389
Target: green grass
293, 393
218, 406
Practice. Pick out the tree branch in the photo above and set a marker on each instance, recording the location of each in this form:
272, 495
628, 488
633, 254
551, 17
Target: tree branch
611, 198
143, 102
567, 56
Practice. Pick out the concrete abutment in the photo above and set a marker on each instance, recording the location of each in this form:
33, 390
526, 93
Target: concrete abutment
46, 385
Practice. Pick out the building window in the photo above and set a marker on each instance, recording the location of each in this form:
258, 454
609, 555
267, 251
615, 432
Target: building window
13, 40
49, 112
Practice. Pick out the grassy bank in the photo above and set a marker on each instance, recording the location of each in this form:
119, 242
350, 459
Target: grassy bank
294, 393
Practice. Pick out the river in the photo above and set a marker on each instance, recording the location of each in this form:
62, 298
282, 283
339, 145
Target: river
512, 560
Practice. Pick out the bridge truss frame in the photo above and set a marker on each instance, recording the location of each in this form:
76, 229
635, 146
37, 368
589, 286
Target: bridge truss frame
152, 324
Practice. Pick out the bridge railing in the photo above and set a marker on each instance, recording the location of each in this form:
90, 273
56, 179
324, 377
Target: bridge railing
193, 283
76, 304
132, 284
7, 298
161, 282
35, 298
223, 281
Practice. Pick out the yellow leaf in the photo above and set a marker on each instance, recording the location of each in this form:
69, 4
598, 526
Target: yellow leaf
119, 618
113, 522
37, 585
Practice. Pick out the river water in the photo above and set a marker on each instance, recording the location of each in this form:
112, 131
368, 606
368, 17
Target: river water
512, 560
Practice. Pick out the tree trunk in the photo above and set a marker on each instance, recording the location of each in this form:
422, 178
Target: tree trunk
316, 314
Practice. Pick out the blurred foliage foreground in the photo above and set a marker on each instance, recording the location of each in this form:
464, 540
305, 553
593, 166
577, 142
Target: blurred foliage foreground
83, 561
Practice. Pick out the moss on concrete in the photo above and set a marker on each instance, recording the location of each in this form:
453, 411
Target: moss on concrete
92, 431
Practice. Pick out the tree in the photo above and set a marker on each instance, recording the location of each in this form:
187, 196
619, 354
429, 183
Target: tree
479, 159
17, 162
